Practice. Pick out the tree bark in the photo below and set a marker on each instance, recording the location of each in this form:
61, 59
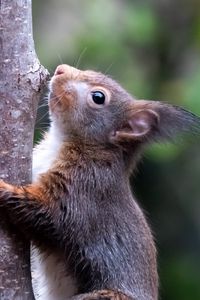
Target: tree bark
21, 81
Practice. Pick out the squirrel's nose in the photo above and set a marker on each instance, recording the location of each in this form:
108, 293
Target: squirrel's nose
66, 70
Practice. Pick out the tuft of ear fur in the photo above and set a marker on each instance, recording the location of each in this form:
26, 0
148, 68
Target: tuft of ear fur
154, 120
174, 120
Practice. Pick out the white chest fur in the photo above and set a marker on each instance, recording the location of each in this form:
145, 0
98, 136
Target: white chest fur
49, 276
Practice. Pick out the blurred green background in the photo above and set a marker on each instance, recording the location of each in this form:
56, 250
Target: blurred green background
153, 49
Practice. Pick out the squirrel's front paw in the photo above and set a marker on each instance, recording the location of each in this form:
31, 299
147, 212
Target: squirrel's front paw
5, 190
2, 183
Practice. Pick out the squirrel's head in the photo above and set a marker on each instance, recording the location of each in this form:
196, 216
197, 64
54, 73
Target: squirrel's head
91, 107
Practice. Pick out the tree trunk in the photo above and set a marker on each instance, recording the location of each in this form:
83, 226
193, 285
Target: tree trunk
21, 81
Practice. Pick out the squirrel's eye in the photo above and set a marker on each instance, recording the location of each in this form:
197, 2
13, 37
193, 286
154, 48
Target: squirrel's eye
98, 97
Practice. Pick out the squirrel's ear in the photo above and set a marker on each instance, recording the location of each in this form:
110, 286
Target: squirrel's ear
147, 120
138, 125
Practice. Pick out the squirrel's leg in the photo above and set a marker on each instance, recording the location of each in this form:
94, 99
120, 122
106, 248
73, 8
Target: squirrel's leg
103, 295
29, 208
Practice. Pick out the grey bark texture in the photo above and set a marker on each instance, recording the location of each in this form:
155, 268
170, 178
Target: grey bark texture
21, 81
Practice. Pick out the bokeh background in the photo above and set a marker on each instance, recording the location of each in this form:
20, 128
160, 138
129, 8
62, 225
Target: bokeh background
153, 49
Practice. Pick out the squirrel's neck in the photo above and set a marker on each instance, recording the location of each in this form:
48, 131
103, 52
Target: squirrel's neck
76, 150
92, 160
58, 150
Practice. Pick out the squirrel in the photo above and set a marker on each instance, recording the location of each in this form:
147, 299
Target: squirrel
90, 238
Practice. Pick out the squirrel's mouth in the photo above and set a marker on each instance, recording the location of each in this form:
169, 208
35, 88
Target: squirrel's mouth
62, 97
